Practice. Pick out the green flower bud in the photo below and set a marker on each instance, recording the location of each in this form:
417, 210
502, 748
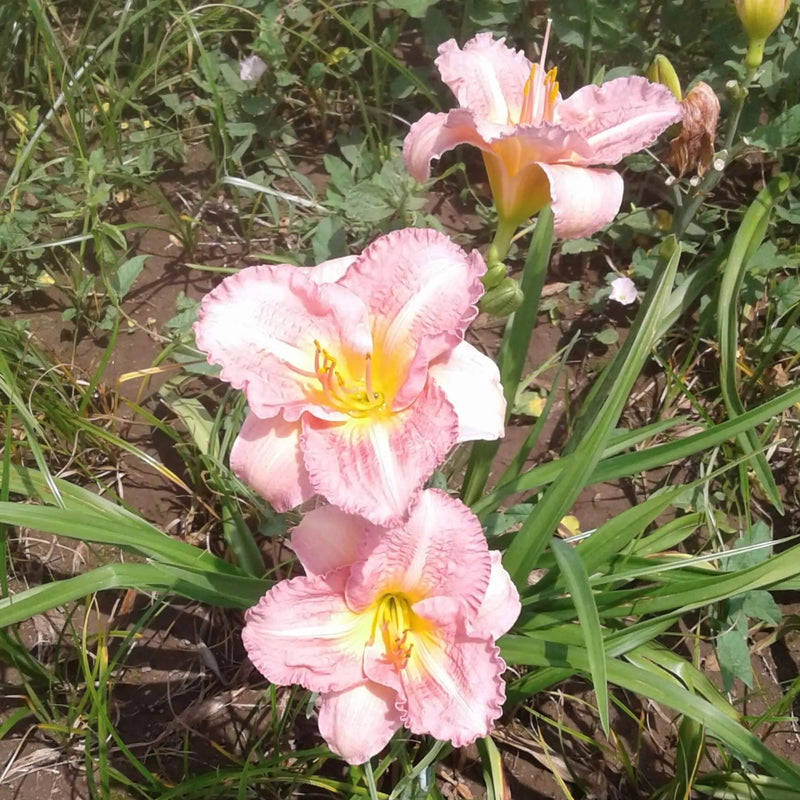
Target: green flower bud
503, 300
661, 71
494, 275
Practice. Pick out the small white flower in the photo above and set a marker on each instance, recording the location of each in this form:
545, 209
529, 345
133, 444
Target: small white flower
251, 68
623, 290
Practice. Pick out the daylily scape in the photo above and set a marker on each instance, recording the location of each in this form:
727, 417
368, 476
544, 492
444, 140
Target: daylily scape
356, 373
392, 626
537, 147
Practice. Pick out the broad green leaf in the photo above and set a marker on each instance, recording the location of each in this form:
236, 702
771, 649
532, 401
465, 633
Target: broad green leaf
760, 604
779, 133
758, 533
733, 654
414, 8
126, 274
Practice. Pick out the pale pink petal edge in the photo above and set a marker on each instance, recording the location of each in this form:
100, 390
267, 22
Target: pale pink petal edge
301, 631
358, 723
440, 551
486, 76
328, 538
583, 199
620, 117
501, 605
435, 134
471, 382
458, 692
376, 466
266, 456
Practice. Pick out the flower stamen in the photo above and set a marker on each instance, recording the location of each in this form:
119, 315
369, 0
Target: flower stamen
357, 398
539, 93
394, 620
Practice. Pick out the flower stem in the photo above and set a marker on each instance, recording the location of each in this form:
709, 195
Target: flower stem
371, 786
513, 349
498, 249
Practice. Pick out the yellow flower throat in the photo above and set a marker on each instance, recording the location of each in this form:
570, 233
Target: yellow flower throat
357, 398
394, 621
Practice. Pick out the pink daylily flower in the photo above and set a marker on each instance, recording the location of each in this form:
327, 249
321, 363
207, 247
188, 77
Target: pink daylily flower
537, 147
392, 626
355, 371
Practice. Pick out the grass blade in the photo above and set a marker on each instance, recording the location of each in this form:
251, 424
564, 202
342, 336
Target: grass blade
224, 591
532, 538
646, 683
746, 242
642, 460
577, 582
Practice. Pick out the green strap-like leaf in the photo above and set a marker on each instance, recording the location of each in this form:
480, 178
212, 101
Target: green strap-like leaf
746, 242
660, 689
577, 582
216, 589
532, 538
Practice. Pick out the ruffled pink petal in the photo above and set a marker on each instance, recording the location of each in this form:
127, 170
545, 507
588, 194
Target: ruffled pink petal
421, 291
328, 538
486, 76
619, 117
357, 723
584, 200
302, 632
435, 134
439, 551
471, 382
261, 326
374, 466
500, 607
451, 687
266, 456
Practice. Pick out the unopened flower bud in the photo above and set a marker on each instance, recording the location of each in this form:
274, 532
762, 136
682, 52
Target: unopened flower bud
494, 275
503, 300
661, 71
759, 19
693, 148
